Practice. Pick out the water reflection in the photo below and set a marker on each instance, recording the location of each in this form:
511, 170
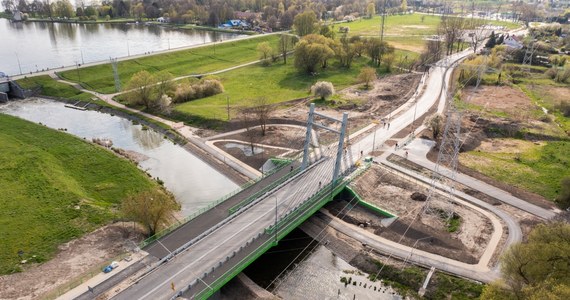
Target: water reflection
62, 44
194, 183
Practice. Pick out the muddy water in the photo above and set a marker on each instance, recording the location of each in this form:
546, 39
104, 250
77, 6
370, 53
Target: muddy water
194, 183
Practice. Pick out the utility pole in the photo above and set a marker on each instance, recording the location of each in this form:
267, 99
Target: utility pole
383, 20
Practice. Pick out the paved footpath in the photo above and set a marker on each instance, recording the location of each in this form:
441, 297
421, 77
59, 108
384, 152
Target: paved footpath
418, 149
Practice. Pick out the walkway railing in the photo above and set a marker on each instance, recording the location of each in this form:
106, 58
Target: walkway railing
207, 208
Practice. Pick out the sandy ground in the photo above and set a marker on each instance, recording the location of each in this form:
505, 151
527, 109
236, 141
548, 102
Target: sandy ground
79, 257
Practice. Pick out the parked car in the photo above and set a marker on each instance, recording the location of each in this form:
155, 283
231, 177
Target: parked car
110, 267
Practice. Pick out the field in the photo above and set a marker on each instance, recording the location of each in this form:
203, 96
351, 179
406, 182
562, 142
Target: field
522, 145
405, 31
185, 62
55, 188
52, 88
277, 82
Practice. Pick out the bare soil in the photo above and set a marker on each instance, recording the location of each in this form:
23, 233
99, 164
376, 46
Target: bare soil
79, 257
393, 193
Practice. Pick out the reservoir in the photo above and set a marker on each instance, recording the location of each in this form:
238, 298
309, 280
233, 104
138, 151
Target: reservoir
33, 46
193, 182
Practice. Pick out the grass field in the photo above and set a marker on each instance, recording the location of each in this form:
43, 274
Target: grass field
405, 32
52, 88
185, 62
55, 187
277, 82
539, 164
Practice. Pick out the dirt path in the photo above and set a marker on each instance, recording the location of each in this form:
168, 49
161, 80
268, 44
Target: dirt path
80, 258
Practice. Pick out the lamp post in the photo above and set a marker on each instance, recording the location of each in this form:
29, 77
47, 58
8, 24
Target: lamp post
275, 226
77, 68
374, 137
19, 65
414, 247
128, 48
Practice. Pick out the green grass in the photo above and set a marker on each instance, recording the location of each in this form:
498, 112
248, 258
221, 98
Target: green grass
185, 62
537, 168
50, 87
443, 286
277, 82
398, 25
55, 187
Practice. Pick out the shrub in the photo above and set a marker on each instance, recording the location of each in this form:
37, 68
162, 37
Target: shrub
322, 89
206, 87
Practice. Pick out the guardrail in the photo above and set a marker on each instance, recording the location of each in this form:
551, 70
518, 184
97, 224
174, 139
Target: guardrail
290, 221
174, 226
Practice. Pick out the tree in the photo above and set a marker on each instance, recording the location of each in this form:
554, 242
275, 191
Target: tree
477, 32
141, 87
164, 83
367, 75
285, 45
262, 110
264, 50
452, 29
376, 49
312, 50
435, 123
327, 32
404, 6
492, 41
322, 89
152, 209
305, 23
536, 269
370, 10
563, 198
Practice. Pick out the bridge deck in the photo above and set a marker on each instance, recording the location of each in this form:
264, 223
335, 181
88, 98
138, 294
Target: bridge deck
207, 220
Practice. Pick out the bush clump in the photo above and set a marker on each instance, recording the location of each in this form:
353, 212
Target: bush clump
204, 88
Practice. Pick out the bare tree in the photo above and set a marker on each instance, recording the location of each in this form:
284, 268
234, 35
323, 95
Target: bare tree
262, 111
452, 29
247, 120
477, 32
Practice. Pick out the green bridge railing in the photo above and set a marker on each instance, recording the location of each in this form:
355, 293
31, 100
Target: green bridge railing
202, 210
283, 227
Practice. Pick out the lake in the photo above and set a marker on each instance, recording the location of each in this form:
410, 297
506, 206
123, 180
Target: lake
33, 46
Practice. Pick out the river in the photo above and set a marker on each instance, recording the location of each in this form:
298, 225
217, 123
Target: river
193, 182
32, 46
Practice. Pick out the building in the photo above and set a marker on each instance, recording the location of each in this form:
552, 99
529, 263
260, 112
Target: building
513, 42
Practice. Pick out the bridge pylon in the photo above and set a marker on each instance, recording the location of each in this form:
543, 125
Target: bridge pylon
309, 137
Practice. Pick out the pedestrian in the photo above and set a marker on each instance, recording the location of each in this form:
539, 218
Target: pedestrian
291, 170
396, 147
361, 152
319, 184
406, 154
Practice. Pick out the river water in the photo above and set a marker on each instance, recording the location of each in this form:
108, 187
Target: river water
33, 46
193, 182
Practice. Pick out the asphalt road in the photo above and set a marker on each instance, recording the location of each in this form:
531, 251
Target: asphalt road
206, 255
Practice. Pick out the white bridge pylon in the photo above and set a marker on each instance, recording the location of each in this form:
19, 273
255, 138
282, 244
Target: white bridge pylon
313, 141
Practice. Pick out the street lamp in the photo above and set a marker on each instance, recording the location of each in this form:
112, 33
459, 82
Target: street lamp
128, 48
275, 226
19, 65
374, 138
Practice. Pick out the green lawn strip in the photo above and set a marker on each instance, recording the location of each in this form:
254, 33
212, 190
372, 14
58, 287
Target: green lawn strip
55, 187
538, 169
443, 286
53, 88
184, 62
277, 82
400, 25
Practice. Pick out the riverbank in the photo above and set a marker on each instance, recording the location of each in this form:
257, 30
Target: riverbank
56, 188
